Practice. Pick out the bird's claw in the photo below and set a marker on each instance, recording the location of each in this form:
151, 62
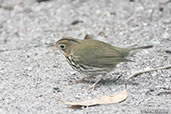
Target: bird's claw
83, 80
93, 86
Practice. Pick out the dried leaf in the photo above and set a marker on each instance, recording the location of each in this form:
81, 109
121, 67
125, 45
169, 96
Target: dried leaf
107, 99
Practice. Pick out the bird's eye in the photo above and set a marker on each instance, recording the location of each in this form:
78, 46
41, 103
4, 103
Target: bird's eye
62, 46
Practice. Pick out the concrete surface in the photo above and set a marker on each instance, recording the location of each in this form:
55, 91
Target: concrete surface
33, 77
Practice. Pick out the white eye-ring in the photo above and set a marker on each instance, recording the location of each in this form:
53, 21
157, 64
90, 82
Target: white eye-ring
62, 46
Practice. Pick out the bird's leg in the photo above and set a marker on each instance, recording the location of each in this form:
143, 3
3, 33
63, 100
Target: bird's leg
95, 83
83, 79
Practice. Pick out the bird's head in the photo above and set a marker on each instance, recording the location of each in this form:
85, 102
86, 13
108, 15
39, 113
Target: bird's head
66, 44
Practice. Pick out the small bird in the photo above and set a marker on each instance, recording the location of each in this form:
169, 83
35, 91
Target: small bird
92, 57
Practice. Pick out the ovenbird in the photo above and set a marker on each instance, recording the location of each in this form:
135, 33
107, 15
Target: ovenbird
93, 57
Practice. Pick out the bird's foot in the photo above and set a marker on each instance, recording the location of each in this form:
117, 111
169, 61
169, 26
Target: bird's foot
94, 85
81, 80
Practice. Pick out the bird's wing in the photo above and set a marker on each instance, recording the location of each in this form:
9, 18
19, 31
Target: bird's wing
98, 56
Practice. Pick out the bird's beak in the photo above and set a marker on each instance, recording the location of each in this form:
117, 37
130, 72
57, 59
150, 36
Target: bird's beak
51, 45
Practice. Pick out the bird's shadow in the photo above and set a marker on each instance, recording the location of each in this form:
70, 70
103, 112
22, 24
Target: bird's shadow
111, 81
108, 82
114, 81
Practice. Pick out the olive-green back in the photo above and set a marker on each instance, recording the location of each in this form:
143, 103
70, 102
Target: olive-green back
98, 54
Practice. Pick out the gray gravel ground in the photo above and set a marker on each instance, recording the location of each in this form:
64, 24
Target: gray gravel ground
33, 79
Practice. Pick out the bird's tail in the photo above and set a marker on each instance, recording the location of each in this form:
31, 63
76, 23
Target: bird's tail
139, 48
